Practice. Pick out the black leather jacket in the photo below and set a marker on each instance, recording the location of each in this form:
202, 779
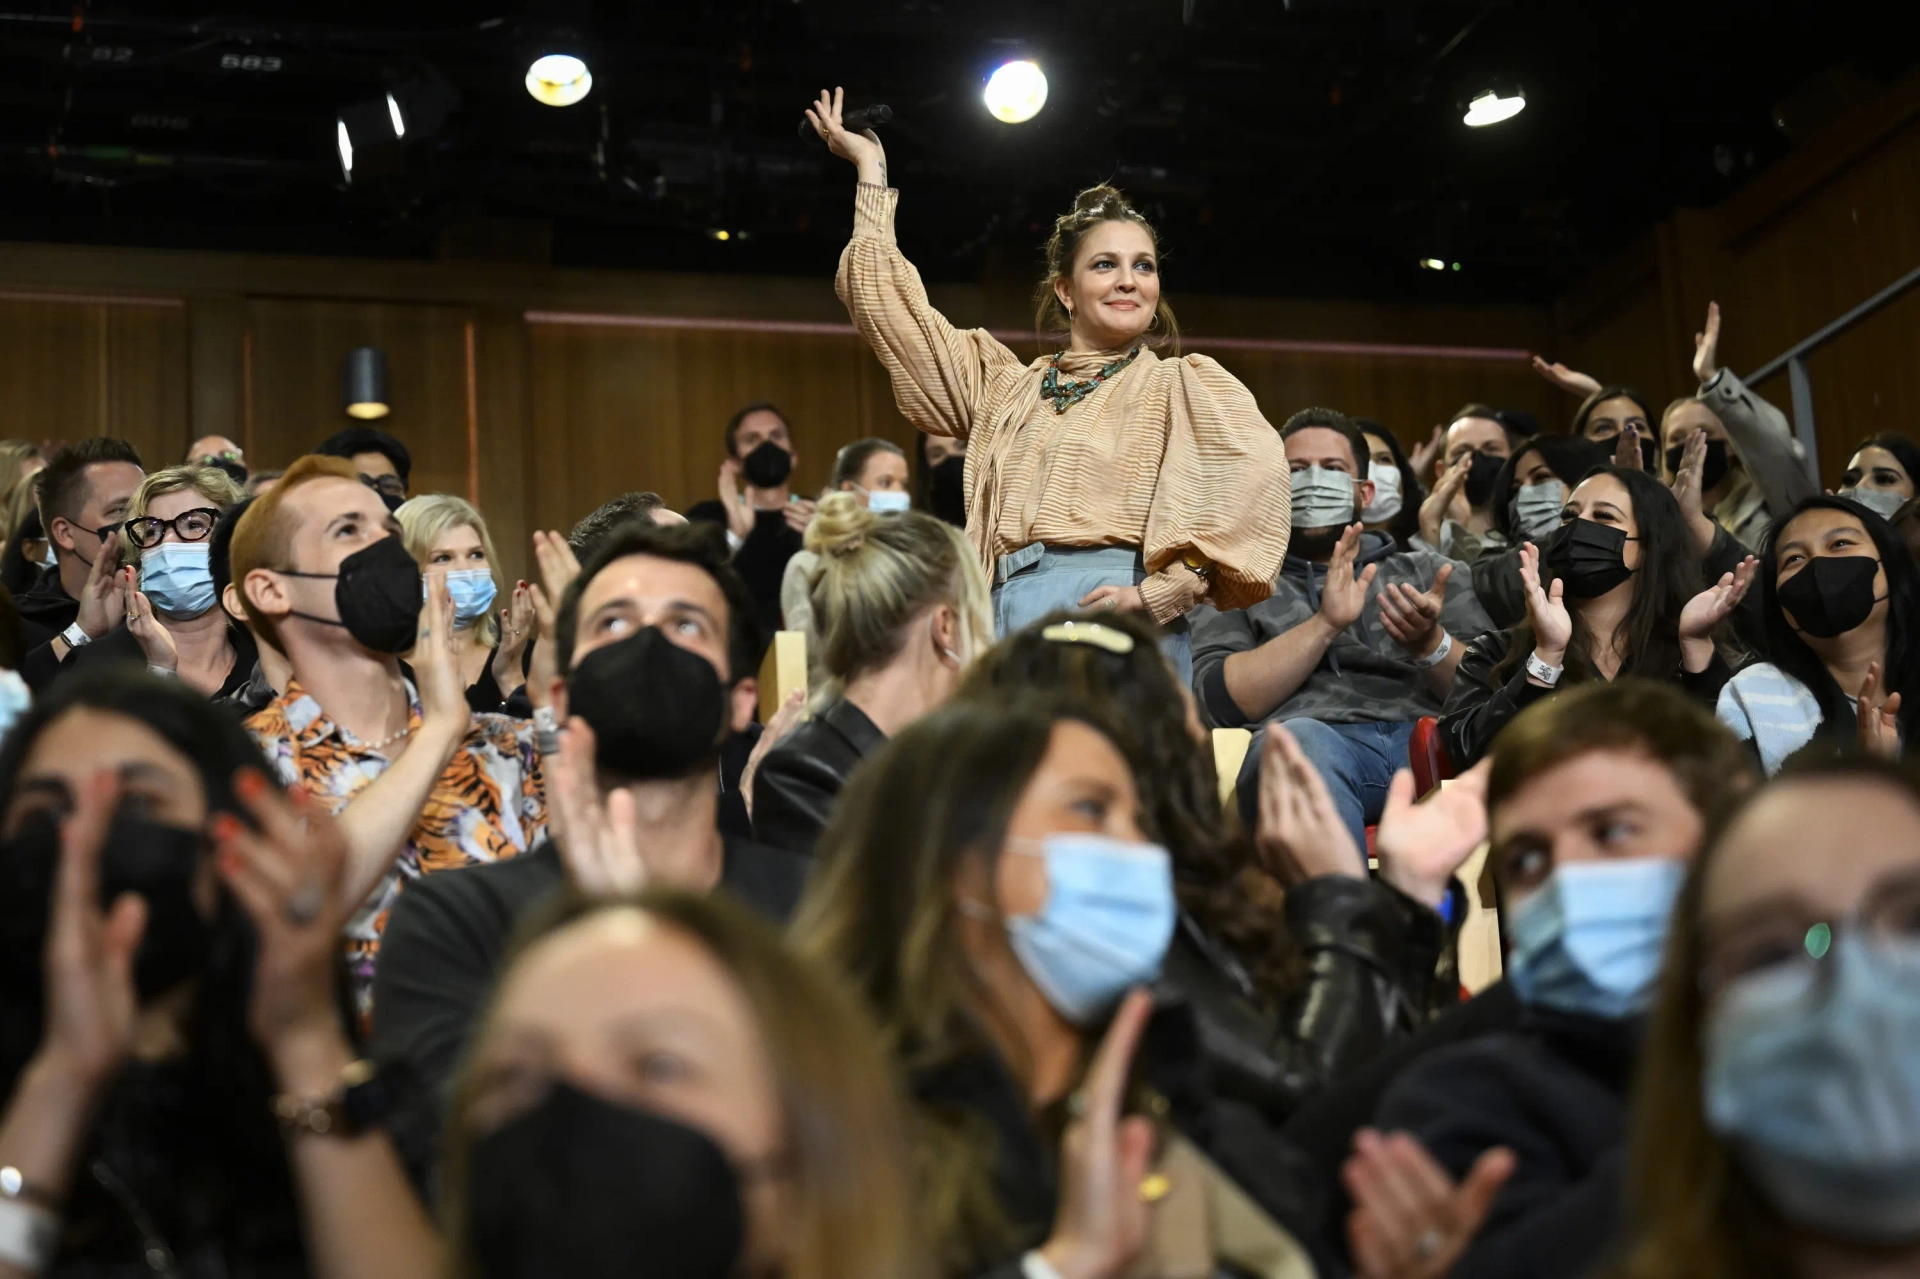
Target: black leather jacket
1379, 965
799, 780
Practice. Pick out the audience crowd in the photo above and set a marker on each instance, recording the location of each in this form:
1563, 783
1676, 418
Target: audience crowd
1112, 902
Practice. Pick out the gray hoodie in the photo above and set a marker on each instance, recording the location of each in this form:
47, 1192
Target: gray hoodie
1364, 676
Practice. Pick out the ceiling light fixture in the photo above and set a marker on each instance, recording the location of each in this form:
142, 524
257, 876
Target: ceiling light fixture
393, 113
1016, 92
559, 79
1490, 106
363, 383
1433, 264
345, 145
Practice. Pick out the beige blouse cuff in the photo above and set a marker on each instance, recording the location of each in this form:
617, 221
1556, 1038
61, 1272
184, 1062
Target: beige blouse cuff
1171, 592
873, 212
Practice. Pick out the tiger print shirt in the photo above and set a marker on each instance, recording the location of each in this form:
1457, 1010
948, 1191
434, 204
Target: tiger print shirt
489, 804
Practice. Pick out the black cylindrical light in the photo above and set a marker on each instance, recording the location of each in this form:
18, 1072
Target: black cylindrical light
363, 382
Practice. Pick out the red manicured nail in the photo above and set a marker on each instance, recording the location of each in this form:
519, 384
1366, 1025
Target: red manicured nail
250, 784
225, 827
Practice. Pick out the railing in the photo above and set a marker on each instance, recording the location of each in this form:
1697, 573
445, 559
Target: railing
1795, 362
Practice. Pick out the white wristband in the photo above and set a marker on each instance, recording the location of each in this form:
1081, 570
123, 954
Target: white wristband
75, 637
29, 1235
1438, 655
546, 730
167, 671
1035, 1266
1548, 675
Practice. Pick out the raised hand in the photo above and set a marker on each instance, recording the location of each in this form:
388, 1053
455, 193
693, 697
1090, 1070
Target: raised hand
863, 148
1410, 1219
443, 690
156, 642
102, 601
544, 669
739, 514
288, 873
799, 514
1566, 379
1879, 721
516, 632
1426, 453
1299, 835
784, 720
1546, 610
1343, 595
599, 841
1706, 346
1102, 1223
1412, 617
1447, 501
91, 1003
559, 565
1626, 450
1422, 846
1705, 611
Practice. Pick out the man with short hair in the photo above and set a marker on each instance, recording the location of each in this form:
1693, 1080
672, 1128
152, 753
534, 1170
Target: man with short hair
382, 462
656, 641
598, 524
422, 784
765, 523
1357, 641
1457, 517
83, 494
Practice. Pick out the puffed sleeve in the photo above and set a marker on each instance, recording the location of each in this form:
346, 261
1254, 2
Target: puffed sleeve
1223, 491
939, 372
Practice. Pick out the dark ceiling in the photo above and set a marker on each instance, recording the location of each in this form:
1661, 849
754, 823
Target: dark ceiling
1286, 147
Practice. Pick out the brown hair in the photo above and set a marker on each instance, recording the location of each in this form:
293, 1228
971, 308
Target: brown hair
264, 537
60, 487
853, 1213
1092, 207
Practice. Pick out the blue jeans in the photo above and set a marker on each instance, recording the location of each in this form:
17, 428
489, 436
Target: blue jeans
1036, 580
1357, 762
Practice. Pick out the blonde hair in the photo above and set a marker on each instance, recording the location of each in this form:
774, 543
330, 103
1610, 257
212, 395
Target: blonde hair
854, 1210
423, 520
209, 482
1092, 207
876, 574
1739, 482
18, 494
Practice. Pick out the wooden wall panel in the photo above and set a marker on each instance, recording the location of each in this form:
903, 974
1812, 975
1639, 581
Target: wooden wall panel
298, 346
70, 369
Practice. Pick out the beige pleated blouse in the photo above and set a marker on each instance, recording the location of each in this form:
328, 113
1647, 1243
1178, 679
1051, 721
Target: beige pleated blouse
1171, 456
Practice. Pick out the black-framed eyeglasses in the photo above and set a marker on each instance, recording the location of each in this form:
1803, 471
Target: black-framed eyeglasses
385, 485
193, 526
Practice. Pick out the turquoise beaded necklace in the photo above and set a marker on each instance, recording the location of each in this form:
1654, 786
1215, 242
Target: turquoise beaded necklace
1066, 394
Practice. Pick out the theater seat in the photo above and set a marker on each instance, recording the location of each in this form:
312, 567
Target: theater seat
1427, 756
1230, 746
782, 670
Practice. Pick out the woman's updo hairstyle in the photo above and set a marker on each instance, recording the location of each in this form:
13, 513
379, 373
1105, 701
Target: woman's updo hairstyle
1092, 207
877, 573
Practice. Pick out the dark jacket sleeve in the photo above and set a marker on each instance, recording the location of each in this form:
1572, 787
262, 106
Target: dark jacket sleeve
793, 795
41, 667
1479, 704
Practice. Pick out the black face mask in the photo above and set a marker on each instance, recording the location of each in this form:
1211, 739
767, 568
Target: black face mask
378, 593
581, 1188
946, 490
1712, 470
1479, 485
768, 466
656, 709
1830, 595
1589, 558
155, 861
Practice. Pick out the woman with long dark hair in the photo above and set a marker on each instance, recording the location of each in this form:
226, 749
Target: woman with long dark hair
1614, 411
1840, 637
1292, 986
1102, 476
1883, 471
1621, 594
1397, 492
1530, 492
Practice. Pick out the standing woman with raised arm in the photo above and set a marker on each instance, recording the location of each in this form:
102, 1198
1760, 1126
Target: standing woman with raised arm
1102, 476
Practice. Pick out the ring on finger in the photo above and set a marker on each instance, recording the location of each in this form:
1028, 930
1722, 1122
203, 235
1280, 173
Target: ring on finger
1428, 1244
303, 905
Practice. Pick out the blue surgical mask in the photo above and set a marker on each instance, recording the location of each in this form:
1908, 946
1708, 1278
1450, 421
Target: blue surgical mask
1386, 493
1322, 498
177, 579
1812, 1075
1589, 939
881, 501
1106, 924
1537, 507
472, 591
1882, 502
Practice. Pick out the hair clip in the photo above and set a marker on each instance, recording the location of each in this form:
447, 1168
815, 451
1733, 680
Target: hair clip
1114, 641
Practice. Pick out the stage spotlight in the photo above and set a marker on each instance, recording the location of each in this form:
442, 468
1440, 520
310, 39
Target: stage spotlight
367, 135
1016, 92
1491, 107
559, 79
393, 113
1433, 264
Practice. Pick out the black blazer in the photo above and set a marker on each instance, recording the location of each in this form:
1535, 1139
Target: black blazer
799, 780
